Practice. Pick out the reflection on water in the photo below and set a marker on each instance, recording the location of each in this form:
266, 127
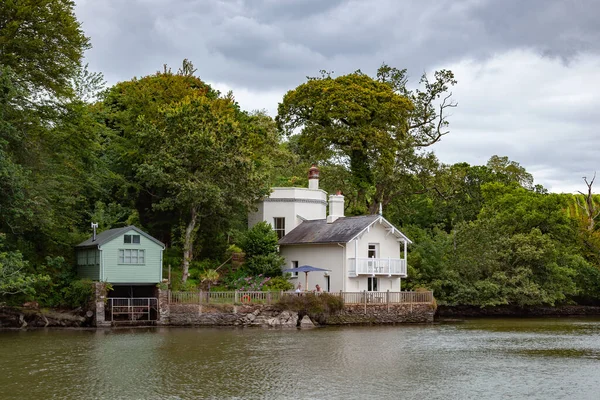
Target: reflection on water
516, 358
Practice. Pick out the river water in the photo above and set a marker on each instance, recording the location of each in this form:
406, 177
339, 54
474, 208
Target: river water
475, 359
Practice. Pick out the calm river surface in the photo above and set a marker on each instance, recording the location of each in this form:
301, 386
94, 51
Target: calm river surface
476, 359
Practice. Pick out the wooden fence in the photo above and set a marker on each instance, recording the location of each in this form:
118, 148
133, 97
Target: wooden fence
239, 297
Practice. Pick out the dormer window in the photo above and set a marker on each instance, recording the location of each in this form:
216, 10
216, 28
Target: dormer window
131, 239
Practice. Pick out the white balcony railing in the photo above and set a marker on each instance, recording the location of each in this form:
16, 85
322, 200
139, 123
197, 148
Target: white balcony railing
376, 266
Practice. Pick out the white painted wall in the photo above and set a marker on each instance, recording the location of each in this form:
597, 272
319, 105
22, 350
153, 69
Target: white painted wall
389, 247
290, 203
326, 256
388, 243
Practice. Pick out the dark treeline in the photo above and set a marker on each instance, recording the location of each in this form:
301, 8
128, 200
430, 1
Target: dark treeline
170, 154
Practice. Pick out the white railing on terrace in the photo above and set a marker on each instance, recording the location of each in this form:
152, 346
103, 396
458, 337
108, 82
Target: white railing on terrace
376, 266
238, 297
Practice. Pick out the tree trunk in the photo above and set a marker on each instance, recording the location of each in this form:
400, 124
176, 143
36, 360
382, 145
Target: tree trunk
589, 208
188, 244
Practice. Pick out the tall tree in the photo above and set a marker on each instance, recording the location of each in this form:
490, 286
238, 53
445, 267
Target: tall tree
42, 41
370, 124
202, 161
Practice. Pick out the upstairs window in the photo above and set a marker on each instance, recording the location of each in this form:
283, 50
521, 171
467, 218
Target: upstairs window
132, 256
131, 239
373, 250
279, 226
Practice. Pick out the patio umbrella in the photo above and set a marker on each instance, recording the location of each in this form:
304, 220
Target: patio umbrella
306, 269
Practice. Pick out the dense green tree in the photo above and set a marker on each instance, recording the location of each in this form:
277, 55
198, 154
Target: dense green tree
202, 160
510, 171
14, 277
372, 125
42, 41
260, 246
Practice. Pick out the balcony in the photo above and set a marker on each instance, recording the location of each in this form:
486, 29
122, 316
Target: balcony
376, 267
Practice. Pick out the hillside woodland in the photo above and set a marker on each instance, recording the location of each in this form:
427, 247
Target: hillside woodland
177, 158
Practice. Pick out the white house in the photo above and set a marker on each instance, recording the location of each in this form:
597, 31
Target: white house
362, 253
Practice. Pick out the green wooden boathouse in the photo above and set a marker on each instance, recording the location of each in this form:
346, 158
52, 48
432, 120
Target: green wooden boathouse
124, 257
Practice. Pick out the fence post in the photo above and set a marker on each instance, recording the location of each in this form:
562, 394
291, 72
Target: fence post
200, 297
269, 298
342, 296
365, 296
387, 299
236, 297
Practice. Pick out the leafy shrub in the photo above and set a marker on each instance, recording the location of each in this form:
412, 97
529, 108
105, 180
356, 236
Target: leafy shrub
312, 304
233, 249
261, 240
250, 283
190, 285
268, 265
278, 283
79, 293
230, 280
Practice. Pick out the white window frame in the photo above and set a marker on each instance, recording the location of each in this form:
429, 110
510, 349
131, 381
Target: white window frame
127, 257
294, 265
375, 248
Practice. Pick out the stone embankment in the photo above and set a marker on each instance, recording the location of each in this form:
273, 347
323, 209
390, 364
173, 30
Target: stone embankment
382, 314
230, 315
271, 316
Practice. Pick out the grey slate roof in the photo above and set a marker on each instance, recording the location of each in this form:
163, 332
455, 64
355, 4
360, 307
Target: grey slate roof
107, 236
342, 230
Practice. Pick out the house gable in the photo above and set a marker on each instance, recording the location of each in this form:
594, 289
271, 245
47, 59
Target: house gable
122, 256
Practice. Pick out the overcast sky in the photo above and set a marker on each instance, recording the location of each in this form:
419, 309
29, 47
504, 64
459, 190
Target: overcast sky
528, 71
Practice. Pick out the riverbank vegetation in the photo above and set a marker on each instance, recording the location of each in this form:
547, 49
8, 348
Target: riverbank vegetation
172, 155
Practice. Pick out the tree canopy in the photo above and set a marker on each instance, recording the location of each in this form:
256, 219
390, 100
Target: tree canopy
372, 125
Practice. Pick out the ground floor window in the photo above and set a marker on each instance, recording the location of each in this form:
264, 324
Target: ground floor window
372, 284
294, 265
132, 256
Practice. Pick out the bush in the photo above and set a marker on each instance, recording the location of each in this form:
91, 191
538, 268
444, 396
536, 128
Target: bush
79, 293
312, 304
278, 283
261, 240
250, 283
268, 265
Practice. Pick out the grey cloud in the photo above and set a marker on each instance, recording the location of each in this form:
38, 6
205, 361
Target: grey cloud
274, 44
539, 113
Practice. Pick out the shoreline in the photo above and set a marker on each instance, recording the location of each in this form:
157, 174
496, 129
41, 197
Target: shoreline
16, 318
516, 312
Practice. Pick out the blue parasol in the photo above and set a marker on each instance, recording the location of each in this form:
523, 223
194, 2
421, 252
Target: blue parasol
306, 269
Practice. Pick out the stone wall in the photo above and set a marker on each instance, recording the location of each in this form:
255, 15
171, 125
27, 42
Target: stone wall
383, 314
98, 305
270, 316
230, 315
